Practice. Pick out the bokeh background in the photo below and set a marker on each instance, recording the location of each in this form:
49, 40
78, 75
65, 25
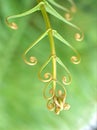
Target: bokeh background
22, 106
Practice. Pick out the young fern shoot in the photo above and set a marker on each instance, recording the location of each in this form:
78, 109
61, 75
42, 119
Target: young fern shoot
56, 99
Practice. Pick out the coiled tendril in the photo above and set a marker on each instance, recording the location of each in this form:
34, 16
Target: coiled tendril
11, 25
57, 101
79, 37
51, 91
72, 9
75, 59
32, 61
65, 80
47, 76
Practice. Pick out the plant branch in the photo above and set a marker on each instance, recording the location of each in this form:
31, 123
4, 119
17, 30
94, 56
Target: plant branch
51, 39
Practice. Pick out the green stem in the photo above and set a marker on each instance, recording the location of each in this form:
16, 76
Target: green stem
51, 39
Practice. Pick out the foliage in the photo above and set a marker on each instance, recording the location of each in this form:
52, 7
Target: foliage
21, 101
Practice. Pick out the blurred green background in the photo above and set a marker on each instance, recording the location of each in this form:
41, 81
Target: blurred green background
22, 106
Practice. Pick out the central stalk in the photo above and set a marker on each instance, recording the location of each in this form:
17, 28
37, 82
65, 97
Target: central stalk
51, 39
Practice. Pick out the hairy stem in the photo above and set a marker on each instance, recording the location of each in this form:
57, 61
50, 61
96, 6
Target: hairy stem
51, 39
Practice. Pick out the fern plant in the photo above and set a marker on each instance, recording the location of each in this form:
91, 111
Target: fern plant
55, 95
